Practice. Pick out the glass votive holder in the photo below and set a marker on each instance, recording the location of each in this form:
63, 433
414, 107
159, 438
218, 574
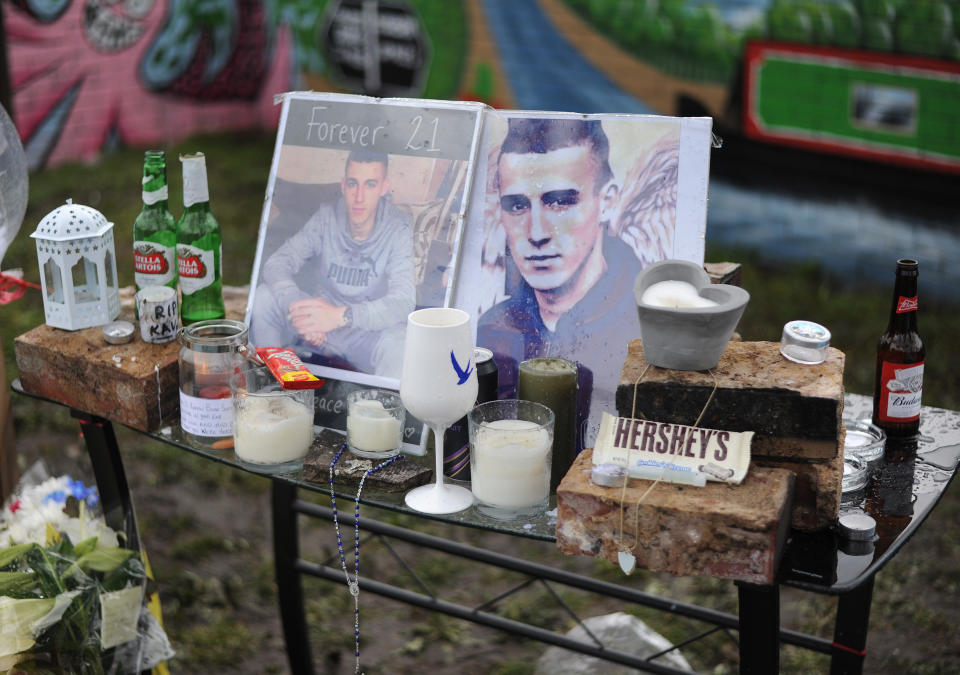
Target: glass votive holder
273, 426
375, 419
864, 440
854, 481
511, 445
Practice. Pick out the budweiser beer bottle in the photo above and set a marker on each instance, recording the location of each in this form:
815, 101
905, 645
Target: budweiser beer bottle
198, 247
900, 354
154, 229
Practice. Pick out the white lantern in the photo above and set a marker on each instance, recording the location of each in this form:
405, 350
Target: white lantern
78, 267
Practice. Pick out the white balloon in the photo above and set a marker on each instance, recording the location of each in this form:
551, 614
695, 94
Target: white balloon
13, 182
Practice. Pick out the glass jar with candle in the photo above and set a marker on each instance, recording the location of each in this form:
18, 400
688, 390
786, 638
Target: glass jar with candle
210, 354
552, 382
375, 420
510, 454
273, 426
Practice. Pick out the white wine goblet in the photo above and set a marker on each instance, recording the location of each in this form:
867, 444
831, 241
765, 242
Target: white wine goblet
438, 385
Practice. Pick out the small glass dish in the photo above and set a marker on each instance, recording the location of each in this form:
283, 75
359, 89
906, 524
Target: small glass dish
854, 482
864, 440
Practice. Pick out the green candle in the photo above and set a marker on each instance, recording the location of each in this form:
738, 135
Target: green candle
553, 382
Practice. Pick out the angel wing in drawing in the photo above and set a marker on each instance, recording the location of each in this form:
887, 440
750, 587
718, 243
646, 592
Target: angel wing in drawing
648, 204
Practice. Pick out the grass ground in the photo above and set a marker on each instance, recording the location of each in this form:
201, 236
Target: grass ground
207, 531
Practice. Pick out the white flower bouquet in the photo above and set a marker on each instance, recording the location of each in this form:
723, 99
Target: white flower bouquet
72, 600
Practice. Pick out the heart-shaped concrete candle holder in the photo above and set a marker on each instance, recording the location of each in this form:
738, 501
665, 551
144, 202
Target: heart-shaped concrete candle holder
677, 330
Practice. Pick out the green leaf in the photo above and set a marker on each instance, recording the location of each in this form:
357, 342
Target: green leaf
17, 583
8, 555
104, 559
85, 547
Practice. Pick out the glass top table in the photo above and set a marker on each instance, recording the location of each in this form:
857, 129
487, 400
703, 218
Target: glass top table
903, 489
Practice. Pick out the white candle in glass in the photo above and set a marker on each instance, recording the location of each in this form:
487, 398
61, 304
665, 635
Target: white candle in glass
511, 468
676, 294
272, 429
371, 427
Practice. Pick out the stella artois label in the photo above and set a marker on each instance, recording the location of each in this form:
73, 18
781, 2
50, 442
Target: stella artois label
905, 305
153, 264
196, 268
673, 453
901, 386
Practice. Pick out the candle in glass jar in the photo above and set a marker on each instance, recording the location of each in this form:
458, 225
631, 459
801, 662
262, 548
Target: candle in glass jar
511, 463
272, 429
371, 427
553, 382
675, 294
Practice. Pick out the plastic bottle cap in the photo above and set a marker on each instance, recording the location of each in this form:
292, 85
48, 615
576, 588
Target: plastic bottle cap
804, 342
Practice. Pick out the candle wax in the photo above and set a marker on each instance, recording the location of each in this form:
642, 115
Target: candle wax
676, 294
272, 430
511, 464
371, 427
553, 383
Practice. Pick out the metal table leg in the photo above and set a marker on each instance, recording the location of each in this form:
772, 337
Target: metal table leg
850, 631
759, 629
286, 551
111, 479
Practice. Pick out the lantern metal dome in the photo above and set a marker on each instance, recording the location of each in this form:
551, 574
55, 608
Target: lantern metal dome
78, 267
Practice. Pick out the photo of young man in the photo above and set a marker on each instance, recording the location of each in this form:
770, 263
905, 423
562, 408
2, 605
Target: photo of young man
568, 278
339, 290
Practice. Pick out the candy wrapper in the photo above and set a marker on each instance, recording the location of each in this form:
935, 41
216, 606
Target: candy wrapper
287, 367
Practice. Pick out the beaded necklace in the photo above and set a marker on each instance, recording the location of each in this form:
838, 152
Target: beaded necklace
354, 584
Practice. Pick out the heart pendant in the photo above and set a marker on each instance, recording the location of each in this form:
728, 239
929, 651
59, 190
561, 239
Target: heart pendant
627, 561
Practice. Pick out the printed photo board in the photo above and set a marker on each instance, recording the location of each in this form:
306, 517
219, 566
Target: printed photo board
565, 211
361, 225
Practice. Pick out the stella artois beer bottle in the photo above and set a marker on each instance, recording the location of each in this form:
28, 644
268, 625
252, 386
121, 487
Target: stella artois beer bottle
198, 247
900, 354
155, 229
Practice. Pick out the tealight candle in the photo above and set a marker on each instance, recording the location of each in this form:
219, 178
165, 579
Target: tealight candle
510, 451
374, 423
676, 294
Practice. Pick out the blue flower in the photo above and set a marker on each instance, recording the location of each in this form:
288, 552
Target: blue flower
58, 496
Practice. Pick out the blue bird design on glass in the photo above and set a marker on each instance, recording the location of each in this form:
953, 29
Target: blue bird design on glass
462, 373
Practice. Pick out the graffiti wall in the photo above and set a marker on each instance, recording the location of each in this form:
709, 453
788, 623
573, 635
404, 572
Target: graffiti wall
87, 74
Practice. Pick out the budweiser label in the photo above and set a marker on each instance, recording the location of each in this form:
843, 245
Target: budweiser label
153, 264
196, 268
901, 385
905, 305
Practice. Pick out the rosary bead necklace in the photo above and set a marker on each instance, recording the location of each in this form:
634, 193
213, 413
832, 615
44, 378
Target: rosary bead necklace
353, 584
